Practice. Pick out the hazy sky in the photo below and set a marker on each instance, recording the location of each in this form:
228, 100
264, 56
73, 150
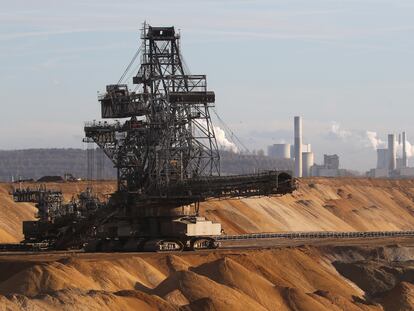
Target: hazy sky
345, 66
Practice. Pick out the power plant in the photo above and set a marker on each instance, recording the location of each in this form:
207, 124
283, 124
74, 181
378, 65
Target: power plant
393, 161
299, 153
303, 159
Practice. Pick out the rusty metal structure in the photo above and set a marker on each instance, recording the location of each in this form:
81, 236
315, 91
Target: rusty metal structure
59, 225
169, 137
166, 155
48, 201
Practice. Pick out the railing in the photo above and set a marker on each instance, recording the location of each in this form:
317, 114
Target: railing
103, 125
7, 247
316, 235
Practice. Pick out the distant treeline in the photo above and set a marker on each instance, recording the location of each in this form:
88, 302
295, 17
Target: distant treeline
35, 163
235, 163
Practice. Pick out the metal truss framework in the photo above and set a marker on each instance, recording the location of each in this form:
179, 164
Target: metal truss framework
168, 138
48, 202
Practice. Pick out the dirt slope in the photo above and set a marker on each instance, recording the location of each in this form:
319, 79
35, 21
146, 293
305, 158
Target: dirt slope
300, 279
12, 215
342, 204
279, 279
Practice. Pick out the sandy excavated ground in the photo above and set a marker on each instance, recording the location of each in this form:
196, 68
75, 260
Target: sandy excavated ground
370, 277
12, 215
322, 204
302, 278
342, 204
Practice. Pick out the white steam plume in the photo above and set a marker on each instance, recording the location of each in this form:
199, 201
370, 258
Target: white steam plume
378, 143
374, 140
408, 147
222, 140
337, 132
365, 139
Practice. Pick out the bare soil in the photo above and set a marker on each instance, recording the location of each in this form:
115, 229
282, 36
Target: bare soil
374, 275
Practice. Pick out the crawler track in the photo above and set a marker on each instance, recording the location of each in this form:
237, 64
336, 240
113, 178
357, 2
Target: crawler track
23, 247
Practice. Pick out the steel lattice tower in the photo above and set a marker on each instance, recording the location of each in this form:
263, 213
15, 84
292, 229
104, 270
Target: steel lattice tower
168, 139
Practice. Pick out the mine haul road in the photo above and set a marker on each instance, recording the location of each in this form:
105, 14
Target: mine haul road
261, 241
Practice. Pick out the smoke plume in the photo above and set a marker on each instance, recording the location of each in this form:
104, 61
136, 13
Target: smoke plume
365, 139
408, 147
374, 140
337, 132
378, 143
356, 137
222, 140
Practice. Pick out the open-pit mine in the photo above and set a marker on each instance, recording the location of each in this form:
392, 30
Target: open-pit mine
371, 273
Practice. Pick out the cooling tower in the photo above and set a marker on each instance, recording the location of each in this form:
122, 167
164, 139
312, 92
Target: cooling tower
279, 151
307, 163
382, 158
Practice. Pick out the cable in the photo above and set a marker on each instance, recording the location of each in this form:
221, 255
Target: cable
133, 72
185, 66
235, 139
232, 134
129, 65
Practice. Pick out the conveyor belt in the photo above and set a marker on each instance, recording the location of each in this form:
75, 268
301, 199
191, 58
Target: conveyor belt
316, 235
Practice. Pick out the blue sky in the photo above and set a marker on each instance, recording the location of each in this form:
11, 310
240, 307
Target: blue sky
345, 66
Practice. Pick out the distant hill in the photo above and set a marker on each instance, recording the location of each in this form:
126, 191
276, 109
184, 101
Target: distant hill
35, 163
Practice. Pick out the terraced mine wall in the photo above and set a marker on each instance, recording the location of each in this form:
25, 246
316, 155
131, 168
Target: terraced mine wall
320, 204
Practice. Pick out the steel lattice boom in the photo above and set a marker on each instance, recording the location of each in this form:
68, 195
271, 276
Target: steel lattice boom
169, 137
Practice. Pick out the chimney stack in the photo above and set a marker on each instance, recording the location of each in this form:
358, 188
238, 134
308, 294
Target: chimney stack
404, 152
298, 146
392, 155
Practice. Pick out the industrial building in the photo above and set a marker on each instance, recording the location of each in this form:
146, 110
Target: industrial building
301, 154
298, 146
382, 158
307, 163
285, 150
279, 151
331, 161
304, 159
329, 168
389, 164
